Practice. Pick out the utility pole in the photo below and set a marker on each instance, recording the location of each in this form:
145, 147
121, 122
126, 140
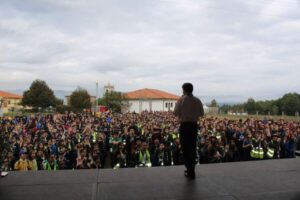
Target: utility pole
96, 96
1, 106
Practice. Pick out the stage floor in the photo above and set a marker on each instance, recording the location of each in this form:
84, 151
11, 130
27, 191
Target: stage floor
273, 179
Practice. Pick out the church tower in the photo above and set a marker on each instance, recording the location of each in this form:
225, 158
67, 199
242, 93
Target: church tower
108, 88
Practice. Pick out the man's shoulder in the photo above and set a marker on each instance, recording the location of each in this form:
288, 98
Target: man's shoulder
197, 99
189, 98
180, 99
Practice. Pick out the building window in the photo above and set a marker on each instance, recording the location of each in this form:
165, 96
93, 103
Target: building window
169, 105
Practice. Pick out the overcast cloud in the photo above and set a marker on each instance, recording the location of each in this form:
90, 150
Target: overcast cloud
226, 48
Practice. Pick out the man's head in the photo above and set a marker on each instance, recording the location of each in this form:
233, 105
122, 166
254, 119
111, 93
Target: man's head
161, 146
121, 146
40, 153
52, 158
115, 134
144, 146
187, 88
156, 141
23, 154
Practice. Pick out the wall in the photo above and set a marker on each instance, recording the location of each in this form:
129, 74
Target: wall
154, 105
10, 103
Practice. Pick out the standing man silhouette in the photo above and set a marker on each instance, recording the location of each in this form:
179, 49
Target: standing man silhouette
188, 109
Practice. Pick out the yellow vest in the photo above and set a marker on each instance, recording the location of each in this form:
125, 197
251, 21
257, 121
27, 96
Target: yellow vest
254, 153
257, 153
270, 153
33, 165
21, 165
260, 153
94, 137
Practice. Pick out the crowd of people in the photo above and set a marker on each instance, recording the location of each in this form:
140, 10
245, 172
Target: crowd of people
148, 139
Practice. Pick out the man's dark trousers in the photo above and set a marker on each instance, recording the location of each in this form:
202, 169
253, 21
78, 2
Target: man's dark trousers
188, 137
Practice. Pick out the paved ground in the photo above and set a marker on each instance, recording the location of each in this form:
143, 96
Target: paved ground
274, 179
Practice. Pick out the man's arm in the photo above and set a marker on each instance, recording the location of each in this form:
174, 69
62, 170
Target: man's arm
201, 110
177, 110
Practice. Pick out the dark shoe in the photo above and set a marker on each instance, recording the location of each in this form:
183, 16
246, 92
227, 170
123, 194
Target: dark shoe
192, 175
189, 175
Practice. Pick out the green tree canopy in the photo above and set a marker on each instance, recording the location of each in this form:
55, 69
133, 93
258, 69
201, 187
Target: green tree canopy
250, 106
39, 95
290, 103
80, 99
113, 100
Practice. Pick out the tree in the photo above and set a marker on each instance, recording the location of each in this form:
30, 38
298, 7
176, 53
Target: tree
63, 108
225, 108
80, 99
250, 106
275, 110
213, 103
58, 102
39, 95
113, 100
290, 104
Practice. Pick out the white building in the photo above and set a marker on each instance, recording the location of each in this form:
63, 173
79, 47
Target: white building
205, 108
150, 100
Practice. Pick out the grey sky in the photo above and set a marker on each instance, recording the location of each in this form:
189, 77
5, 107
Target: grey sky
226, 48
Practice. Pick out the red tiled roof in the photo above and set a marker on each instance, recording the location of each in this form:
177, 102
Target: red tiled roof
9, 95
150, 94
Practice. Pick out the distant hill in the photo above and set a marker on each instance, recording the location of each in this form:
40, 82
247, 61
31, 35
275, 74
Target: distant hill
222, 100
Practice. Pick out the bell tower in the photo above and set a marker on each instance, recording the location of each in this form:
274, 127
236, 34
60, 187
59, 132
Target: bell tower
108, 88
